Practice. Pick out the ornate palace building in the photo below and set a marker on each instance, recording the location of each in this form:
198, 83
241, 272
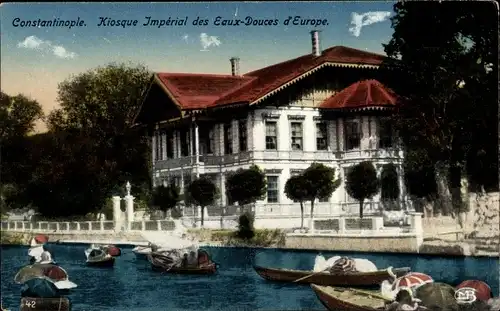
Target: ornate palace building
326, 107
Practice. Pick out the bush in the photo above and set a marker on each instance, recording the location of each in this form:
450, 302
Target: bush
245, 227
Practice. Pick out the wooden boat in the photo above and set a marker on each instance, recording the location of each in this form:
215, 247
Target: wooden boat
162, 262
98, 258
359, 279
349, 299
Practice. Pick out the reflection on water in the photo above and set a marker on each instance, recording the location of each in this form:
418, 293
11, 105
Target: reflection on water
131, 285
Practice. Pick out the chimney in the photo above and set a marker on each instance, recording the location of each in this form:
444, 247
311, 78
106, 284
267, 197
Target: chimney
235, 66
316, 51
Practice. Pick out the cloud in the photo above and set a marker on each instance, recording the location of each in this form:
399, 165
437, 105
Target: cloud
35, 43
360, 20
61, 52
208, 41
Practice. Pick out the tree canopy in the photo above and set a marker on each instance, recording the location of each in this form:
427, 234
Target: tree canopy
362, 183
203, 192
246, 186
89, 148
166, 198
440, 77
18, 115
389, 182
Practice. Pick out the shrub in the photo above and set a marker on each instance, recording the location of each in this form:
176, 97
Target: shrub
245, 226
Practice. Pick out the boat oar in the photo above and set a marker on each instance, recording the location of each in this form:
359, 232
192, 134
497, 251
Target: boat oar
310, 275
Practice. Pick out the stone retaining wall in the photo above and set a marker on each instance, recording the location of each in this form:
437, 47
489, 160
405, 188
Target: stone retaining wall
401, 244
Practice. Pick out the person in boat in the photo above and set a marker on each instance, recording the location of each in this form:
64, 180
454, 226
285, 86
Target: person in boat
343, 265
185, 261
193, 259
46, 257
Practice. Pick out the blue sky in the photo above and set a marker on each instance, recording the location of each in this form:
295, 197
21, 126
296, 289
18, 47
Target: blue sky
35, 59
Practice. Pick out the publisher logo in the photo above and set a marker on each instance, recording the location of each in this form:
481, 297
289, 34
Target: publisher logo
465, 295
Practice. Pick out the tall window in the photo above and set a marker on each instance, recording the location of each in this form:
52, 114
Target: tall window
228, 139
210, 141
170, 145
385, 134
184, 143
321, 136
242, 134
271, 135
352, 134
272, 189
296, 135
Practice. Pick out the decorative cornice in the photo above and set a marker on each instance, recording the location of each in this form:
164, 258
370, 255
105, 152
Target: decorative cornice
270, 115
273, 171
296, 117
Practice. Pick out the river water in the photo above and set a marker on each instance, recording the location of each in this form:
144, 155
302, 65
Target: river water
131, 285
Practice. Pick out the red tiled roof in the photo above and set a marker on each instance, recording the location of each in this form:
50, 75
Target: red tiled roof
367, 93
198, 91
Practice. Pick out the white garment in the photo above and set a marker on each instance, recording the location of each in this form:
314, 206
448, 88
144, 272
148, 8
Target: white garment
36, 252
362, 265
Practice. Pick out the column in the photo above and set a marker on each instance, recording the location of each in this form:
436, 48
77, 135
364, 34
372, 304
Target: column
308, 133
402, 190
181, 186
196, 149
373, 133
331, 126
222, 186
178, 143
235, 131
220, 141
129, 203
416, 225
174, 145
117, 212
250, 145
365, 133
340, 134
153, 148
164, 145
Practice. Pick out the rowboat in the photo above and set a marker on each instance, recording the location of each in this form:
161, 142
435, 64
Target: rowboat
98, 258
349, 299
355, 279
166, 263
53, 273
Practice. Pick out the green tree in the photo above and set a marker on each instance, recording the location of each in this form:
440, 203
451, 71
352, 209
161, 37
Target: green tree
362, 183
420, 180
246, 186
203, 192
320, 183
439, 78
296, 190
92, 130
18, 116
166, 198
389, 185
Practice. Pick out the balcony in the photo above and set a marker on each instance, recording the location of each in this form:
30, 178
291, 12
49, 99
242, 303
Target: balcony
249, 156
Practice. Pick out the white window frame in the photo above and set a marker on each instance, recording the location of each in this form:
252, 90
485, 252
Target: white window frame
301, 137
277, 188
